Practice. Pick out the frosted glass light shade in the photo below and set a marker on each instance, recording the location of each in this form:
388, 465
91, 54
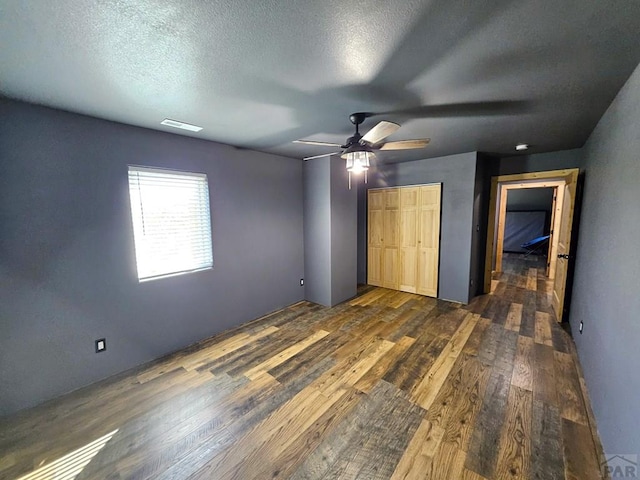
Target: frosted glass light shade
358, 161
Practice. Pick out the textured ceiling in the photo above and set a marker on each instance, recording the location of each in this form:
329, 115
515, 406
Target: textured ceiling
471, 75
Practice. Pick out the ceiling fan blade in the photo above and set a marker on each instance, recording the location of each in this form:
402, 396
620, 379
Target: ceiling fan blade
406, 144
320, 156
318, 144
381, 131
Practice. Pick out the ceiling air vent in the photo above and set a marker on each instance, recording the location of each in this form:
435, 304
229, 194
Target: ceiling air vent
181, 125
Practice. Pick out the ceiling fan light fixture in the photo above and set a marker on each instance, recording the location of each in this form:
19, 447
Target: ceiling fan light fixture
358, 159
358, 162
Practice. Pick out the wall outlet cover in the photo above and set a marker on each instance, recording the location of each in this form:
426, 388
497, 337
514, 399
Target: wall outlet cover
302, 282
101, 345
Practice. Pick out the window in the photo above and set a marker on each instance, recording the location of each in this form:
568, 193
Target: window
171, 222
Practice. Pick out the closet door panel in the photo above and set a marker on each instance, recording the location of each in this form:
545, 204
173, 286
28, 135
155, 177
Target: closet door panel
374, 269
390, 268
375, 237
408, 268
391, 241
428, 239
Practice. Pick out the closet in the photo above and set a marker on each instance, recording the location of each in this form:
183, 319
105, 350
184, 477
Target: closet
404, 238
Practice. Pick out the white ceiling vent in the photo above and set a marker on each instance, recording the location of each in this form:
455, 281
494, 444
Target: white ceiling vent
181, 125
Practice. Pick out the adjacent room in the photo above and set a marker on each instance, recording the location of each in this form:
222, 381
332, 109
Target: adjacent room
306, 240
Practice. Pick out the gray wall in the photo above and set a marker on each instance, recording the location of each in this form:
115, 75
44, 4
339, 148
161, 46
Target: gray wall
330, 230
67, 266
317, 230
539, 162
606, 296
530, 199
481, 193
344, 234
457, 173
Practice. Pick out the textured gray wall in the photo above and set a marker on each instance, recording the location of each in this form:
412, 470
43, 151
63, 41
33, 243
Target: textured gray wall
317, 230
457, 174
330, 230
606, 295
67, 267
344, 233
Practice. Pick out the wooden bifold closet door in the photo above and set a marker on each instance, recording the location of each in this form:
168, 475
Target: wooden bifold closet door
404, 238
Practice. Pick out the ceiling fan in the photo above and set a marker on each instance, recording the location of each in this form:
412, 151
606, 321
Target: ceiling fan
358, 149
359, 145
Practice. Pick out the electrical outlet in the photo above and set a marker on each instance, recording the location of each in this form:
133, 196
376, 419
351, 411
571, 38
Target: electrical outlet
302, 282
101, 345
581, 327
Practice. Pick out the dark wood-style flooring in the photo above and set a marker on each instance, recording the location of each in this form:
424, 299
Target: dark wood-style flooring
387, 386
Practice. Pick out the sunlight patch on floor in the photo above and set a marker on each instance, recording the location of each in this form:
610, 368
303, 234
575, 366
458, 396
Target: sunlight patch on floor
69, 466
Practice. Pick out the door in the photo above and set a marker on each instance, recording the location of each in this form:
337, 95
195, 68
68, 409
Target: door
428, 239
390, 238
409, 239
551, 266
374, 243
566, 182
564, 245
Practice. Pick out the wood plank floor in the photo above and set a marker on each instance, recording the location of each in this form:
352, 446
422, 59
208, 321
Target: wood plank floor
387, 386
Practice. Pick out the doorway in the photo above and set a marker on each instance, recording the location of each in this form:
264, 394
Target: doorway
527, 228
555, 244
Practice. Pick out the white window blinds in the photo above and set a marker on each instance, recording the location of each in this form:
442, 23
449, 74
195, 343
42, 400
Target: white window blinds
171, 221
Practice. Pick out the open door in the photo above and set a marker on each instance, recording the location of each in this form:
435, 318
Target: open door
567, 201
566, 184
555, 207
